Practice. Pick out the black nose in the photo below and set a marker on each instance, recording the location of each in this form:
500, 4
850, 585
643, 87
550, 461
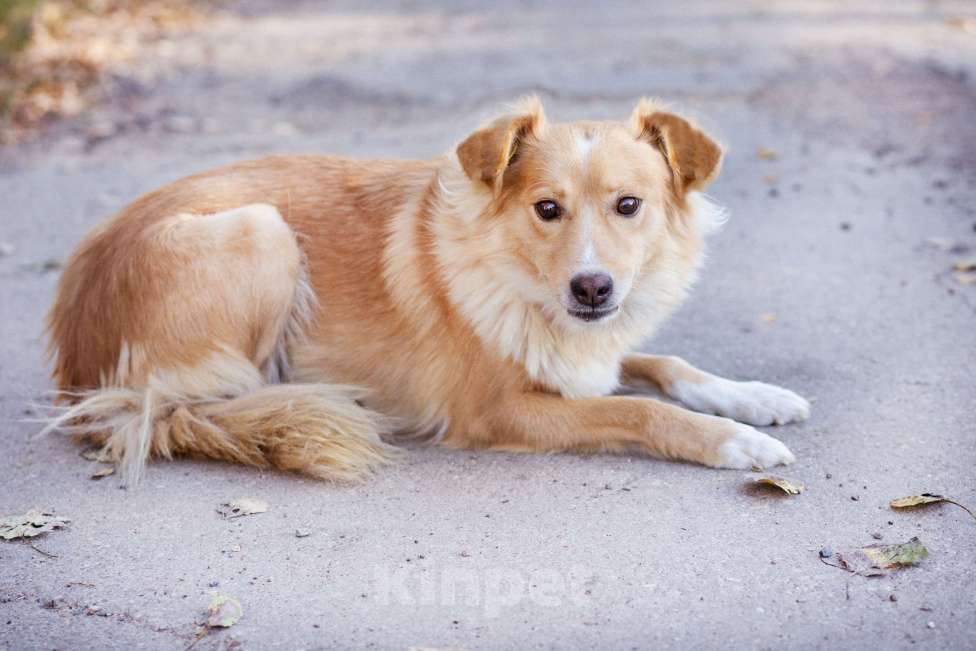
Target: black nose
592, 289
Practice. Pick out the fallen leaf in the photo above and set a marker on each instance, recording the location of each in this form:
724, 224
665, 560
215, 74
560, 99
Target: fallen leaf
877, 559
29, 525
965, 277
768, 317
242, 507
224, 612
926, 498
91, 455
770, 179
103, 472
787, 486
965, 265
887, 557
764, 153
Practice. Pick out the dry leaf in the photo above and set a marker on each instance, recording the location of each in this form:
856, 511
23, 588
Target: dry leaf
29, 525
764, 153
91, 455
242, 507
965, 277
878, 559
926, 498
787, 486
224, 612
103, 472
768, 317
770, 179
965, 265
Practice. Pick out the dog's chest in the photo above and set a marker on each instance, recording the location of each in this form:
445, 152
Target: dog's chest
587, 380
574, 369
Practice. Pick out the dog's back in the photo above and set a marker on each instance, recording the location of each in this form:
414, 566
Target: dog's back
173, 321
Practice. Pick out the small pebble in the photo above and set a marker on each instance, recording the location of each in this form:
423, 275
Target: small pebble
876, 535
930, 624
854, 498
892, 597
845, 226
302, 533
829, 476
826, 552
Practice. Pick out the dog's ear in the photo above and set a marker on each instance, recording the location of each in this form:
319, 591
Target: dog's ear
693, 157
486, 153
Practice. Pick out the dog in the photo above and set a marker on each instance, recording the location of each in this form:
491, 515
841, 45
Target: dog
297, 312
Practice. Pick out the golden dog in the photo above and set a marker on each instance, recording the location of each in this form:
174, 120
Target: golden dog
297, 311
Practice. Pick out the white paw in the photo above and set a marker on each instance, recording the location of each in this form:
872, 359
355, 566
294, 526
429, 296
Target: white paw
750, 448
755, 403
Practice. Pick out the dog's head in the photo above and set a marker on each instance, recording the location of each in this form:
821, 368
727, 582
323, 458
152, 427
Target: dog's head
589, 206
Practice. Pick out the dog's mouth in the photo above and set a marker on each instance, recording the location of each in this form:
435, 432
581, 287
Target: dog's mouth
593, 314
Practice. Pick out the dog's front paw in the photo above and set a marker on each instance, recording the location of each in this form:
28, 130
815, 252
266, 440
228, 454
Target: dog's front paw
749, 448
755, 403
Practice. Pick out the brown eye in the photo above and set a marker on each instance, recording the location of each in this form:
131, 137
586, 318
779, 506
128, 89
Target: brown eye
548, 210
627, 206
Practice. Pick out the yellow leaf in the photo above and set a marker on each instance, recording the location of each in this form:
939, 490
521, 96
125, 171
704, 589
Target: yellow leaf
926, 498
786, 485
965, 265
103, 472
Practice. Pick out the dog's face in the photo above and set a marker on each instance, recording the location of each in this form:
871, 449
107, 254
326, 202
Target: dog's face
586, 205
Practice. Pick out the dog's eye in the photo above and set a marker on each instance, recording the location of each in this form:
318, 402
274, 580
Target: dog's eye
627, 206
548, 210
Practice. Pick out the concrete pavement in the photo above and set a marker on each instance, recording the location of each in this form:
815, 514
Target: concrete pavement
833, 278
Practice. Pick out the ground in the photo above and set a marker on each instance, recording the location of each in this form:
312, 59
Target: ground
850, 180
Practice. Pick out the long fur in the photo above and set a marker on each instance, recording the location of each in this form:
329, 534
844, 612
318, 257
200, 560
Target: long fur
316, 429
294, 310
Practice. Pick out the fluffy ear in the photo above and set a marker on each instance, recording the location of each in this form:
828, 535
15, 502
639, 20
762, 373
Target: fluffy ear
693, 157
486, 153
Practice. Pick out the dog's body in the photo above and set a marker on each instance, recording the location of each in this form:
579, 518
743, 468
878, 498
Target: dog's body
293, 310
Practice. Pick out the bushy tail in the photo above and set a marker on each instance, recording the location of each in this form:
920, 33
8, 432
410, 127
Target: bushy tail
316, 429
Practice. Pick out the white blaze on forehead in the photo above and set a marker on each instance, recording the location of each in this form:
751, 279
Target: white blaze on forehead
584, 143
588, 259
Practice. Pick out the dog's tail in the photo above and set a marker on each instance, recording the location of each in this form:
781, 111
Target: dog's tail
320, 430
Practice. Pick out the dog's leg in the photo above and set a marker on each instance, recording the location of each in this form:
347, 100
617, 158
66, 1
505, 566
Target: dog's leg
545, 422
755, 403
